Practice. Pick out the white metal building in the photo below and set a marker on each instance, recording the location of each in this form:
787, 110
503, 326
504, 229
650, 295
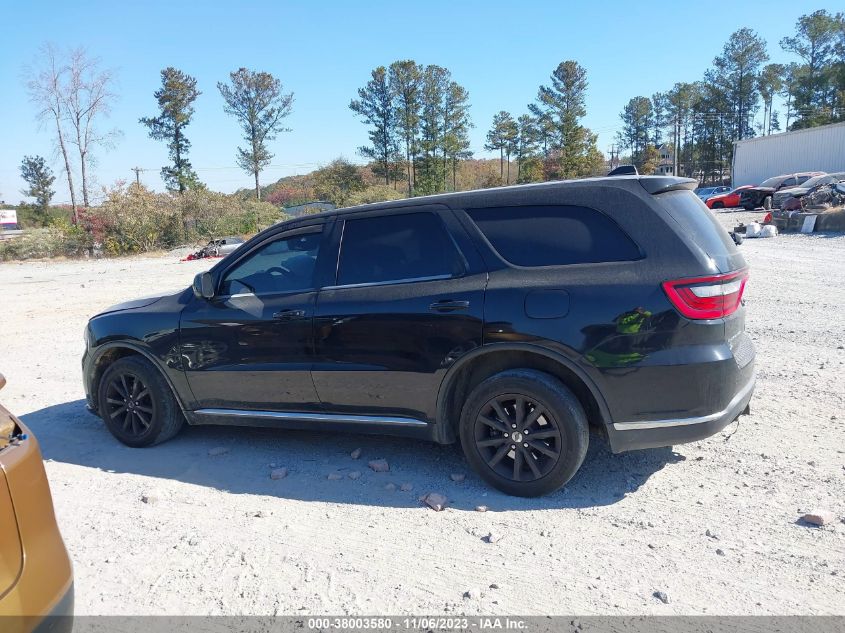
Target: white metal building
814, 149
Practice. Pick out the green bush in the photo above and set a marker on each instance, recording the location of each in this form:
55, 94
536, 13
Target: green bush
374, 193
33, 244
133, 219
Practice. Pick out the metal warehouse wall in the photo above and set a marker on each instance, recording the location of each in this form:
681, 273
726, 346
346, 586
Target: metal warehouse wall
814, 149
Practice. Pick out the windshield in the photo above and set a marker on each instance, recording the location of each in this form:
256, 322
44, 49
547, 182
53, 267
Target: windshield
772, 182
705, 190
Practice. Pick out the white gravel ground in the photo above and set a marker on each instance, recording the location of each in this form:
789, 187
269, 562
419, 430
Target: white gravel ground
172, 530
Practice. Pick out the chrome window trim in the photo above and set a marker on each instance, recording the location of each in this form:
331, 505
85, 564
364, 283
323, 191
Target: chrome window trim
390, 282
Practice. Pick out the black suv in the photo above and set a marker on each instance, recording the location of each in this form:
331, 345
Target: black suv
509, 319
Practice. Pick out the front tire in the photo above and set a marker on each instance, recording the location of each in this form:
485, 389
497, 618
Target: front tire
718, 205
137, 404
524, 432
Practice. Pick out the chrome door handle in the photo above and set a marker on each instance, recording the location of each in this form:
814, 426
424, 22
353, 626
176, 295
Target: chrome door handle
448, 305
289, 315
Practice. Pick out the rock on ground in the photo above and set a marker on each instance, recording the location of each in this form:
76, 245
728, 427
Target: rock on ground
379, 466
435, 501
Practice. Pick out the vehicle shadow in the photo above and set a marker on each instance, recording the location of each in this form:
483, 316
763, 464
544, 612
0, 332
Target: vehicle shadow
70, 434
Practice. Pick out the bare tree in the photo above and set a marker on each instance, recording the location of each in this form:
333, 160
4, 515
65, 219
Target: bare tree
46, 92
85, 96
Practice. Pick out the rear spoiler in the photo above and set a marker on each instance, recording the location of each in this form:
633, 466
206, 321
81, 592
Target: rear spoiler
662, 184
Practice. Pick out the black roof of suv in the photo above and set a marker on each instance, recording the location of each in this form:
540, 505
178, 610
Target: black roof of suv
512, 319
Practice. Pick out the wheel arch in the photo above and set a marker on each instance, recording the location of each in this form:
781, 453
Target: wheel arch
488, 360
108, 353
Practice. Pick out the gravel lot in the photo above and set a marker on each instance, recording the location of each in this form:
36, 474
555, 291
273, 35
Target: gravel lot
174, 530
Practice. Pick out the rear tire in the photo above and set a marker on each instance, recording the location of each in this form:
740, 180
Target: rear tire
137, 404
524, 432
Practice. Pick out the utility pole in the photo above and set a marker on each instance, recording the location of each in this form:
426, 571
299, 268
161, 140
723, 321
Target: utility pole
677, 147
137, 171
614, 156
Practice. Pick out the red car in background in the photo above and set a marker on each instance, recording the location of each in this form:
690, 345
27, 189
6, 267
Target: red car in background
726, 200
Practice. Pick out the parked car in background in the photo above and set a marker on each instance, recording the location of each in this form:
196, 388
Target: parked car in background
510, 318
727, 200
36, 581
780, 198
706, 192
761, 195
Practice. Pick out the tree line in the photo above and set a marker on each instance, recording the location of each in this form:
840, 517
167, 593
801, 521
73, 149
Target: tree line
548, 142
72, 95
734, 100
418, 119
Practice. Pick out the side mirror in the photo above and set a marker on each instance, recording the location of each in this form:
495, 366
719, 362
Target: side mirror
204, 285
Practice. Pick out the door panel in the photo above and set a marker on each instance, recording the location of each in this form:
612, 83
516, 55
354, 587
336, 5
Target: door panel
407, 304
251, 346
236, 355
385, 348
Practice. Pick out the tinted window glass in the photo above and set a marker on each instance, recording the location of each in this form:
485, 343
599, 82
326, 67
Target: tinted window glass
282, 265
554, 235
697, 221
396, 247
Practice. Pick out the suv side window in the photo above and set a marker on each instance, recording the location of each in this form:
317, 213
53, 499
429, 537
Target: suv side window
789, 182
283, 265
396, 248
554, 235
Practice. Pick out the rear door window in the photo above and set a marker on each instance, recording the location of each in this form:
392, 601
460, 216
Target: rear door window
554, 235
394, 248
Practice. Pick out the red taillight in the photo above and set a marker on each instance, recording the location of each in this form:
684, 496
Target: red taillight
710, 297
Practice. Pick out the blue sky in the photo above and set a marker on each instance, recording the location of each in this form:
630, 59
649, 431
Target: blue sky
324, 50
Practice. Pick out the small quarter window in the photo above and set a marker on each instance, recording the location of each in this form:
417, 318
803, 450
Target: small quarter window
554, 235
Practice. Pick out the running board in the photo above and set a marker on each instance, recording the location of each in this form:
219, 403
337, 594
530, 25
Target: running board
294, 416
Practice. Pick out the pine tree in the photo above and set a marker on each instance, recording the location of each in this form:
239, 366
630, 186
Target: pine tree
635, 136
525, 145
175, 101
405, 81
819, 39
456, 125
435, 85
256, 100
735, 75
563, 102
500, 138
37, 174
375, 106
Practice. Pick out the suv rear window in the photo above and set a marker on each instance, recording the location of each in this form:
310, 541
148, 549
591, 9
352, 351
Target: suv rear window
554, 235
396, 248
697, 221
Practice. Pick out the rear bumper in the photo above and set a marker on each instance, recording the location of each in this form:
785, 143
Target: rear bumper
627, 436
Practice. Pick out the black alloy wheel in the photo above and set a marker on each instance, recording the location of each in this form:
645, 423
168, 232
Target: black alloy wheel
137, 404
518, 437
129, 403
524, 432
